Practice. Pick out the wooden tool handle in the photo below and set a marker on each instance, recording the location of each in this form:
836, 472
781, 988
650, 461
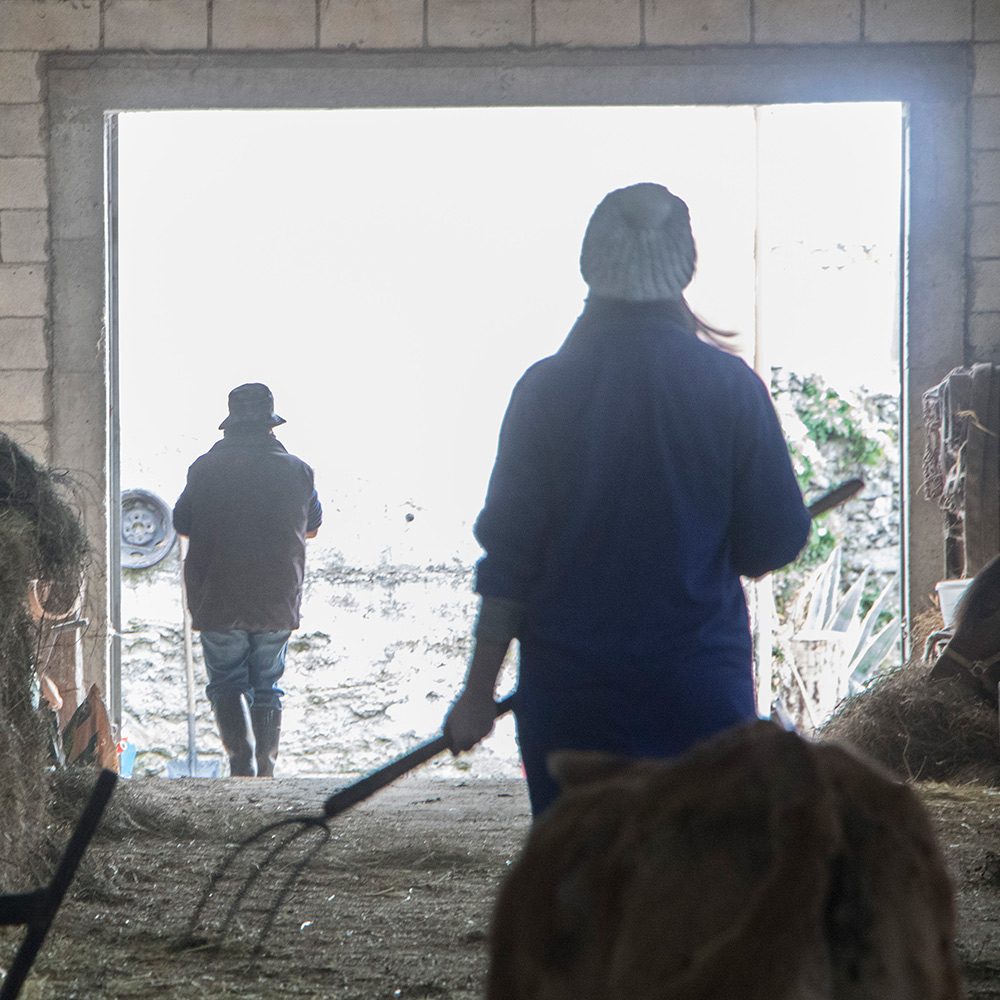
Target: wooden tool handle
364, 787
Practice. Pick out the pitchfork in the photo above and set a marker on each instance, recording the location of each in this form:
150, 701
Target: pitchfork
343, 799
339, 802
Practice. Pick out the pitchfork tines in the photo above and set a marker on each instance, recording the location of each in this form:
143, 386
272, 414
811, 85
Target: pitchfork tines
275, 839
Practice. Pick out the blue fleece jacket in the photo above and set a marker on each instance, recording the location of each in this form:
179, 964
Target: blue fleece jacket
640, 473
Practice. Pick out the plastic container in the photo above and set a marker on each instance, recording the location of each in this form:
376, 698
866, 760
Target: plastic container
126, 758
949, 593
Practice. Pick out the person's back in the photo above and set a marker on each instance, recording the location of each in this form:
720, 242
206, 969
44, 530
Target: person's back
639, 474
657, 455
248, 507
247, 510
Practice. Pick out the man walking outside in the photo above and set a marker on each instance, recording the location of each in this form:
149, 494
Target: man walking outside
247, 508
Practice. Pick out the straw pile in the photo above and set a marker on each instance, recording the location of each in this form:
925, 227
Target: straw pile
40, 539
921, 730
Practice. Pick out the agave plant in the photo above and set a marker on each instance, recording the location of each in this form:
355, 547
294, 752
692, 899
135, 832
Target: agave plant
834, 617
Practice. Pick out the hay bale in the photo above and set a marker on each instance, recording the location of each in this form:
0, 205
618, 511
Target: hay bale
41, 538
921, 730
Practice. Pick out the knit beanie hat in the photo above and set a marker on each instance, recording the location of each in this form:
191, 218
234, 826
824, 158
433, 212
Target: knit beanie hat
638, 245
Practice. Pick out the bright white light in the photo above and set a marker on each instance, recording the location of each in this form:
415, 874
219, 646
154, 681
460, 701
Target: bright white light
390, 274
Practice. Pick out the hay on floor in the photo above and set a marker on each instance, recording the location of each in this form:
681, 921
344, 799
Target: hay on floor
921, 730
41, 538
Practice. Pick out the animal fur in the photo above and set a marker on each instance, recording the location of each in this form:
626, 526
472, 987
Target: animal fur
759, 867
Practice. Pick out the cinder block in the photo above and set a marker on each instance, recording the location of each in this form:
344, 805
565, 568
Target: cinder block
987, 61
986, 286
22, 289
987, 20
984, 337
985, 176
710, 22
22, 344
155, 24
985, 237
24, 233
19, 79
21, 130
44, 25
587, 22
372, 24
22, 396
263, 24
478, 23
32, 438
807, 21
918, 20
985, 131
22, 183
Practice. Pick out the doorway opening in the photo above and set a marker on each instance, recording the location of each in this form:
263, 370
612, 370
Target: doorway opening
390, 274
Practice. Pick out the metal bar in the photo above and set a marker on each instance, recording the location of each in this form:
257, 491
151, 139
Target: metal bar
48, 903
113, 457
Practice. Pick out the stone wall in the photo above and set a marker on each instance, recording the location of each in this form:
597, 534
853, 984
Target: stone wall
53, 357
381, 653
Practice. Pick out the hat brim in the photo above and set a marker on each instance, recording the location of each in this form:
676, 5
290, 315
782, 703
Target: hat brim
272, 421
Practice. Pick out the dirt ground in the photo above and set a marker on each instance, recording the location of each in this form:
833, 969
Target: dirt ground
394, 904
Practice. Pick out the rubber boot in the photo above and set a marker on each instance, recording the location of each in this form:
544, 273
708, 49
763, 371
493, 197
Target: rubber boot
266, 730
233, 719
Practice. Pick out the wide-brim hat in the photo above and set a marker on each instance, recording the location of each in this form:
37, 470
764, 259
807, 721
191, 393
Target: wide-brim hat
639, 246
251, 403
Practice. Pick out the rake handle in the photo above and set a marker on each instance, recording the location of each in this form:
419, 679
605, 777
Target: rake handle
370, 784
835, 497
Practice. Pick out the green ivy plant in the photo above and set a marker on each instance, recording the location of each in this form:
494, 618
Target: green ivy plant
841, 439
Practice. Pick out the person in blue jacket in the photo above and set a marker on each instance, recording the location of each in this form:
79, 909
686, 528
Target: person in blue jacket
641, 472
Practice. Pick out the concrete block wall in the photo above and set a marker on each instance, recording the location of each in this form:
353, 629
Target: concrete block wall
983, 342
31, 28
34, 371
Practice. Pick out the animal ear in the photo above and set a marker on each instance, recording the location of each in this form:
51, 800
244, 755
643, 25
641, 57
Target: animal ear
580, 767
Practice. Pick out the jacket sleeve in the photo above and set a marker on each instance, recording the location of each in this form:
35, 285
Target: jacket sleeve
315, 517
182, 513
512, 526
770, 523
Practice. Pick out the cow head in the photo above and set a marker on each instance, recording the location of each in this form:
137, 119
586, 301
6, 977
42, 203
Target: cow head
972, 655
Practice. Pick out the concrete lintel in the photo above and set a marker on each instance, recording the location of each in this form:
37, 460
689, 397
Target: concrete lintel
509, 77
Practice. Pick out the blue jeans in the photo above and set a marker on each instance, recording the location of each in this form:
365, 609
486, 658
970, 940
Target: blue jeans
247, 663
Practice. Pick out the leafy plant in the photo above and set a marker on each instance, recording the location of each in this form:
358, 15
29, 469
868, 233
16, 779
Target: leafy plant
864, 640
834, 435
830, 419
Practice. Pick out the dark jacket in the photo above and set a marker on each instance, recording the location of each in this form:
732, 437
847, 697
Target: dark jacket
640, 473
247, 507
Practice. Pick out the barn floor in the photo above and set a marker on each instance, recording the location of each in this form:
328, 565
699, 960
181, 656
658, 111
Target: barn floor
395, 904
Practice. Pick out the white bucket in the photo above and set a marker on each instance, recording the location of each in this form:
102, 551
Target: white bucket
949, 593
